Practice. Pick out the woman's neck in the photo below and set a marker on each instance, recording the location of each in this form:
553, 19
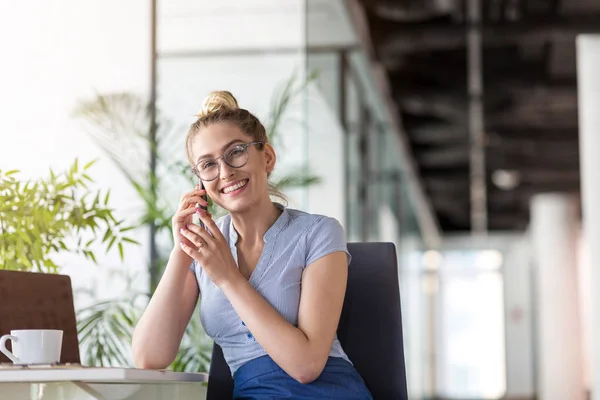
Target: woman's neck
252, 224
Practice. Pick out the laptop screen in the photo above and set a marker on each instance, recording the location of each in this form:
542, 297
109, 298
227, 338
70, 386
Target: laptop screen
30, 300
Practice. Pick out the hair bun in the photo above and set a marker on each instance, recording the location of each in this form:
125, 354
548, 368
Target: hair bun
217, 100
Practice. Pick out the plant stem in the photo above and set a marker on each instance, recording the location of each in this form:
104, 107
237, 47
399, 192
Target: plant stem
153, 145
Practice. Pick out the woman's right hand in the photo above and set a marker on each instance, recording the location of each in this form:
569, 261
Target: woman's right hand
185, 216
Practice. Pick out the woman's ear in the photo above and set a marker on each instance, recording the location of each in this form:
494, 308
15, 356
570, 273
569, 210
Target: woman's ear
270, 157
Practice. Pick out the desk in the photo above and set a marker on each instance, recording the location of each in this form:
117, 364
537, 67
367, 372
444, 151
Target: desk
82, 383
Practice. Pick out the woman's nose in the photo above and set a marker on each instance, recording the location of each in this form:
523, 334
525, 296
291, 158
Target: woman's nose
225, 171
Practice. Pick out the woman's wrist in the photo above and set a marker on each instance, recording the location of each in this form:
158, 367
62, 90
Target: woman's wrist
179, 258
235, 279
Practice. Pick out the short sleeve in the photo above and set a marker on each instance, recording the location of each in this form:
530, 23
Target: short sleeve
326, 236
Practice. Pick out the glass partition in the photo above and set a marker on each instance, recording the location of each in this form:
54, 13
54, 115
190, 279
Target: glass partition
375, 196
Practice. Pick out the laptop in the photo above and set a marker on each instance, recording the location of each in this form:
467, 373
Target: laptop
30, 300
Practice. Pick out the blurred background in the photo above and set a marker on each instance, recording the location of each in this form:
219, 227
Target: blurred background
464, 131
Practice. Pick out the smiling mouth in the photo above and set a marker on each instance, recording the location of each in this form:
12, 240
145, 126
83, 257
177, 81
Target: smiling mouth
235, 186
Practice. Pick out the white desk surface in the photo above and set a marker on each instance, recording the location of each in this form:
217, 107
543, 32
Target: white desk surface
98, 375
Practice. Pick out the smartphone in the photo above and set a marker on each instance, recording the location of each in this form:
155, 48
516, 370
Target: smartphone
205, 198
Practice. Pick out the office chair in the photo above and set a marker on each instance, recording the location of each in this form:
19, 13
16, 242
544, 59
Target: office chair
370, 328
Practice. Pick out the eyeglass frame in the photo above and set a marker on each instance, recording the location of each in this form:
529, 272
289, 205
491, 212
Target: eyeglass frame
222, 156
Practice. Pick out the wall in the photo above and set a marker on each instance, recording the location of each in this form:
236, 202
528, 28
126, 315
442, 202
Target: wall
519, 323
230, 25
54, 54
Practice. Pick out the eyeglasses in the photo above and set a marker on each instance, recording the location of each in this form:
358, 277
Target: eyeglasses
236, 157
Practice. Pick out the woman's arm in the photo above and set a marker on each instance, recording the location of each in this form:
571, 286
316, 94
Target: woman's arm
303, 351
158, 334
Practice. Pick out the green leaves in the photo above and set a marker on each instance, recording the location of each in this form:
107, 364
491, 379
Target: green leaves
296, 180
40, 218
284, 97
195, 350
105, 332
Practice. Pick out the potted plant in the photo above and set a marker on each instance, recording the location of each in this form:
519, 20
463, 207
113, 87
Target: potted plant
40, 218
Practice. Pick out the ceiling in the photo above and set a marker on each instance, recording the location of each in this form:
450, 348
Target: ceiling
530, 139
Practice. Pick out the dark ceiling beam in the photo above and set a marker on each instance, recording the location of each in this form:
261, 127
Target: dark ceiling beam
508, 221
547, 176
498, 87
456, 192
498, 219
450, 82
410, 11
455, 212
533, 106
502, 158
507, 209
527, 146
453, 184
504, 61
441, 180
412, 120
443, 156
533, 119
546, 134
510, 199
444, 107
439, 134
448, 134
528, 106
424, 37
524, 159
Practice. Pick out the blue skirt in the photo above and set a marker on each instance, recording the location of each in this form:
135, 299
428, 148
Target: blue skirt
262, 378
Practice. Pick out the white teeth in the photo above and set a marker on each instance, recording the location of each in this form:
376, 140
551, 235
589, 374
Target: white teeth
231, 188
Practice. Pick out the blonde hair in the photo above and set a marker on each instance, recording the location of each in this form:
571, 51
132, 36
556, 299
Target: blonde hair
221, 107
217, 100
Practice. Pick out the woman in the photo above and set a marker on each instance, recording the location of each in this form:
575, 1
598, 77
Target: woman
272, 279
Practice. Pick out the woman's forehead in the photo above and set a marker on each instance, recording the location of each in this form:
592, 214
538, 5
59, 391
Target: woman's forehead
215, 138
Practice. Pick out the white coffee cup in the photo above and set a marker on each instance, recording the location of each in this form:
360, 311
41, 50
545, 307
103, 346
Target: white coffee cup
33, 346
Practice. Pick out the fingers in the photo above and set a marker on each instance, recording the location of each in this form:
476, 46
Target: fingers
212, 227
183, 214
193, 197
189, 250
187, 242
192, 237
202, 233
192, 200
195, 192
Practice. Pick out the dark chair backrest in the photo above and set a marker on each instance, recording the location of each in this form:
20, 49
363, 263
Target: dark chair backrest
30, 300
370, 328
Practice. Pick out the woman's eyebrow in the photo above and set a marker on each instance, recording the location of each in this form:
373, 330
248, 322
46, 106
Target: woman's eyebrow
234, 141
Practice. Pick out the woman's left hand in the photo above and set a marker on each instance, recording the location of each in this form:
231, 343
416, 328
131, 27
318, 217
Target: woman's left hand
211, 250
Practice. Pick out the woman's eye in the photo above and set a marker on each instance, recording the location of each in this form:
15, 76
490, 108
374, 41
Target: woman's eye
207, 164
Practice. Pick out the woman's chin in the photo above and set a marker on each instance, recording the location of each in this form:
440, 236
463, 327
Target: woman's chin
236, 204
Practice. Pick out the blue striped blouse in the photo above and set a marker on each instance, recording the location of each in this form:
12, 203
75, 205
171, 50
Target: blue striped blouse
293, 242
